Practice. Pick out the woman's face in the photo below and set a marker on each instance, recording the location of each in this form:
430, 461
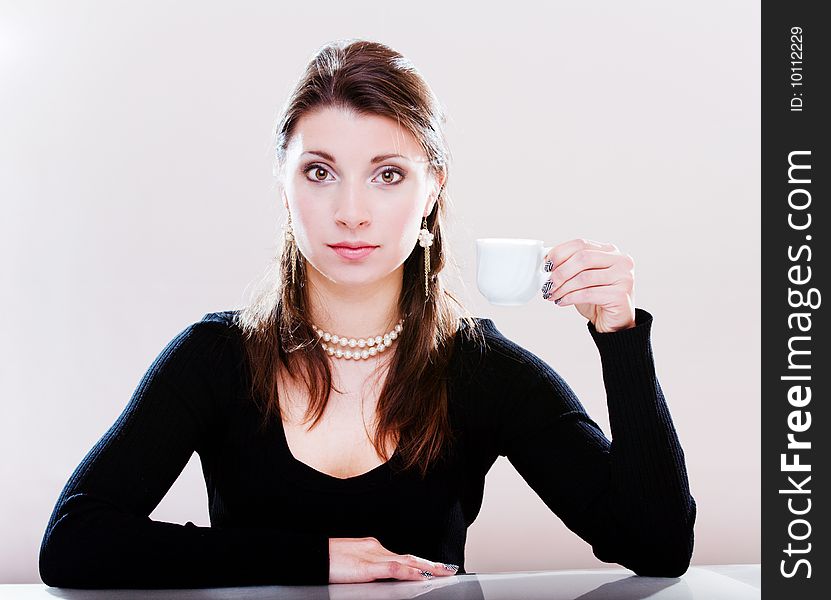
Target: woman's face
343, 184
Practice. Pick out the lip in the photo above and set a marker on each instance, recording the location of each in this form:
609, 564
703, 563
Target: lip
353, 244
353, 253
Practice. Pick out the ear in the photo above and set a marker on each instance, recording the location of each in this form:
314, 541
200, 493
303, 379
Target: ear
434, 197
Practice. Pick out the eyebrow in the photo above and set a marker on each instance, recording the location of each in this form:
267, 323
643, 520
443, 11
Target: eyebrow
376, 159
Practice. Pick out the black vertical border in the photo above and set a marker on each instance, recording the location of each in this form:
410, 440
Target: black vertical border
784, 131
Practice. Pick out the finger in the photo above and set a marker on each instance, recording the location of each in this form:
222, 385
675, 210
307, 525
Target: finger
560, 253
393, 569
577, 262
602, 295
584, 279
616, 275
436, 568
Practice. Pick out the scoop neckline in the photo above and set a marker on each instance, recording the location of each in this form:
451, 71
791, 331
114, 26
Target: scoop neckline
372, 475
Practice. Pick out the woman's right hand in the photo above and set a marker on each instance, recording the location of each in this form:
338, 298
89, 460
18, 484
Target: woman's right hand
359, 560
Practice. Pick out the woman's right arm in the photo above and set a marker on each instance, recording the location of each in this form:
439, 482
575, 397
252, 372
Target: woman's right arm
100, 534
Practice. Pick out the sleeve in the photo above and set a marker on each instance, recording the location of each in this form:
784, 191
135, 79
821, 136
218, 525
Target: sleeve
100, 534
629, 498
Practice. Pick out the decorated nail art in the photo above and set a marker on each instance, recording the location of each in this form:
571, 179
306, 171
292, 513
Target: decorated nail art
547, 286
548, 266
450, 567
546, 296
427, 574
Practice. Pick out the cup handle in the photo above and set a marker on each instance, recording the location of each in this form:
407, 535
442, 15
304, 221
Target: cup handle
544, 275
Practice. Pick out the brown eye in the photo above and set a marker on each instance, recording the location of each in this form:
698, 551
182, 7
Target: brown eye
388, 176
319, 173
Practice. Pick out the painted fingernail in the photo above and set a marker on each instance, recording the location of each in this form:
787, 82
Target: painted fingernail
548, 266
547, 286
451, 567
557, 301
426, 574
546, 296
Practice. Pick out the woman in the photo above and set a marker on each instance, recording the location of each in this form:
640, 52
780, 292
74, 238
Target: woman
346, 418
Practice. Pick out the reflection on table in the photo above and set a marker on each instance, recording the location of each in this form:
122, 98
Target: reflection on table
737, 582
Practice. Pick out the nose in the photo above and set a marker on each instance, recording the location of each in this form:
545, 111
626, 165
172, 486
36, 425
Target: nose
352, 209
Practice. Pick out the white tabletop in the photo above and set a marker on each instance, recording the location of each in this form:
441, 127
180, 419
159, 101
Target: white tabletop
736, 582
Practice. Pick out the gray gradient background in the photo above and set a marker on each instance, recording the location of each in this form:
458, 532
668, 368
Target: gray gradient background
137, 195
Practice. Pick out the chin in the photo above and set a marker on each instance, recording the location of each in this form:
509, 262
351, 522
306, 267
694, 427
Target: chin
358, 274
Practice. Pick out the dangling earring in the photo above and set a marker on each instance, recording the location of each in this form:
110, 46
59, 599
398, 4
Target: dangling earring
292, 246
425, 240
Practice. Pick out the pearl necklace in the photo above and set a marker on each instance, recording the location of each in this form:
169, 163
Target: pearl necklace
360, 348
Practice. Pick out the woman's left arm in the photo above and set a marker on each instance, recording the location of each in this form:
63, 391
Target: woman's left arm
630, 497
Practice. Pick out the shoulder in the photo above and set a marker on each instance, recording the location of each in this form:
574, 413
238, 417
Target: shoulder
225, 318
485, 338
224, 324
203, 352
212, 337
487, 354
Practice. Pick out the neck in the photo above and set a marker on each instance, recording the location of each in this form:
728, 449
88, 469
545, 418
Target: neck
354, 310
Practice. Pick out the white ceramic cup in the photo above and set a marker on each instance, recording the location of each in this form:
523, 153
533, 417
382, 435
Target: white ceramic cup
509, 271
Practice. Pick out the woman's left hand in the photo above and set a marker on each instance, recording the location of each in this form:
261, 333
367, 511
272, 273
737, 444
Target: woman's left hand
597, 279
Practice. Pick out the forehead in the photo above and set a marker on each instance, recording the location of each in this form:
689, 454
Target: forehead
347, 134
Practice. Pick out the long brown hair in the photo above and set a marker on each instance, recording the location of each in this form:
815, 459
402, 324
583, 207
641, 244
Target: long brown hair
368, 78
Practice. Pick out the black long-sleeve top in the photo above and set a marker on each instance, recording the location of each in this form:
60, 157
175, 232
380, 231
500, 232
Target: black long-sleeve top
272, 515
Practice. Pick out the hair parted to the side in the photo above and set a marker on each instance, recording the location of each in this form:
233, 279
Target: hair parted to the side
369, 78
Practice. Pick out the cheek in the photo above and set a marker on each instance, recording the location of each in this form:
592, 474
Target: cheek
307, 217
407, 225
